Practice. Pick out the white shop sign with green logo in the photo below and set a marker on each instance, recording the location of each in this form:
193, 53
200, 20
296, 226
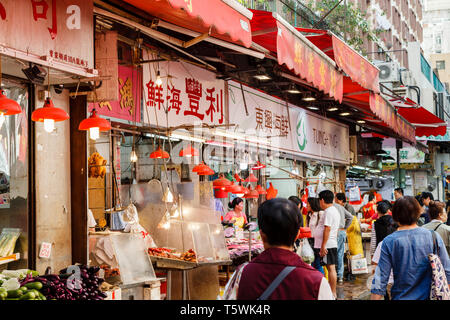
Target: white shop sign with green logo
300, 132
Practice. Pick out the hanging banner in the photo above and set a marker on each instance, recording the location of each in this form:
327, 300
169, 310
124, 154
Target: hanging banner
128, 107
297, 55
189, 95
57, 30
298, 131
357, 68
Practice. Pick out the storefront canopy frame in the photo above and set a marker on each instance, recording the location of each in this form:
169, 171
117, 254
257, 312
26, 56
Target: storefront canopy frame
295, 51
224, 19
426, 123
357, 67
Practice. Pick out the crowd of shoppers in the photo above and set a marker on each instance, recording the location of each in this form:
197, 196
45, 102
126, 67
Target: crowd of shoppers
399, 248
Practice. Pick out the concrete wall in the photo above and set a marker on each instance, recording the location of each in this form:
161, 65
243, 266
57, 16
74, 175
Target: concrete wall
53, 216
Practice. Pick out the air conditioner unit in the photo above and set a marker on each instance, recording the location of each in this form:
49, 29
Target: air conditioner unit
388, 72
407, 78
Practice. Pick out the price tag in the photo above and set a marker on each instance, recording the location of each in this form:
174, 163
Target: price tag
46, 250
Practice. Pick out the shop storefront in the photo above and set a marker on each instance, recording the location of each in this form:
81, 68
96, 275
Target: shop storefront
52, 48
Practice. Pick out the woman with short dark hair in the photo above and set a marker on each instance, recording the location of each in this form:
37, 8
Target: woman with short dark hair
406, 252
278, 221
438, 217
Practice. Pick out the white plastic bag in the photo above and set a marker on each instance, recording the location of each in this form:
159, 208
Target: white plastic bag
305, 251
131, 218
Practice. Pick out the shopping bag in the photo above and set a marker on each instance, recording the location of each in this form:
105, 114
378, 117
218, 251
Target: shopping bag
305, 251
354, 195
359, 264
355, 246
439, 285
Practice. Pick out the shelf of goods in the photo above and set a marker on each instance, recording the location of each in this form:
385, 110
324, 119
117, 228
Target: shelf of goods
10, 258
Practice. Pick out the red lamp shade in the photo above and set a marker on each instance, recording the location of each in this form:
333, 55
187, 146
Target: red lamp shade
8, 106
237, 189
49, 111
188, 152
94, 121
258, 166
206, 172
251, 178
159, 154
252, 194
220, 194
222, 184
260, 189
200, 167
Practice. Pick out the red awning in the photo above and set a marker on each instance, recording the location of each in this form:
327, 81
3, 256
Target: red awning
295, 51
228, 20
376, 105
358, 68
426, 123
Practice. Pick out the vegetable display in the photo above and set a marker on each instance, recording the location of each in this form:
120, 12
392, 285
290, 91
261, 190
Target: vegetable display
82, 285
8, 239
15, 286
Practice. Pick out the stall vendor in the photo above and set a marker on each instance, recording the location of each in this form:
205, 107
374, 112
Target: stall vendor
236, 215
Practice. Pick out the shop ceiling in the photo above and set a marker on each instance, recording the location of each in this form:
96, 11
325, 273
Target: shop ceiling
244, 65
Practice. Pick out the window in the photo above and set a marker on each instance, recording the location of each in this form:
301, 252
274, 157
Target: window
14, 169
440, 64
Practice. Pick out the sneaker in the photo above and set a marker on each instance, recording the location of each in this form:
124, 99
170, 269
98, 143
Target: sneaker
340, 281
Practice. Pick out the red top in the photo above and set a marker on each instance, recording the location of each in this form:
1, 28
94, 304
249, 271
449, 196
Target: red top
301, 284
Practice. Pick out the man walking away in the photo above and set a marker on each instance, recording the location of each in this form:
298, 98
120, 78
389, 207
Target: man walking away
345, 222
398, 193
328, 243
278, 273
342, 200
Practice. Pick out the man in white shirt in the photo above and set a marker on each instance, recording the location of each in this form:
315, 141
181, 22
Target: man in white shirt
328, 247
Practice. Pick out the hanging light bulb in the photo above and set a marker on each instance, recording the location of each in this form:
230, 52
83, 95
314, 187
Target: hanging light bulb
94, 133
48, 114
2, 119
175, 211
49, 125
158, 78
133, 156
165, 221
94, 124
168, 196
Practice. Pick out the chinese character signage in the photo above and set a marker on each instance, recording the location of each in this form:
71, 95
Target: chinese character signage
187, 95
128, 107
61, 30
298, 56
298, 132
410, 157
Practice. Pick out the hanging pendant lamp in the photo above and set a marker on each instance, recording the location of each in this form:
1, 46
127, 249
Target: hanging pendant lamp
251, 178
252, 194
200, 167
8, 107
189, 151
94, 124
49, 114
206, 172
222, 183
260, 189
159, 154
258, 166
